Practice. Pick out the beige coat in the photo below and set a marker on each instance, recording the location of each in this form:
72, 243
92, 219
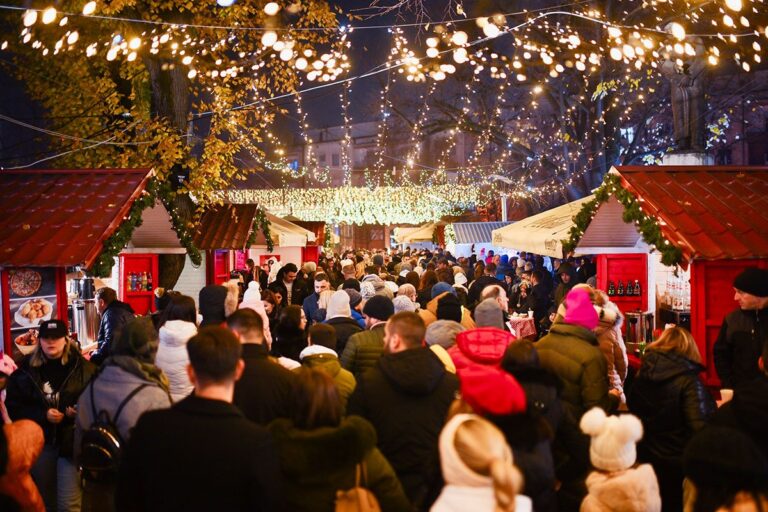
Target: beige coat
612, 345
632, 490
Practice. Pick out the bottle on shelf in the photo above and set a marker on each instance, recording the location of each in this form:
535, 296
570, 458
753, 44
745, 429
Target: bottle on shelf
611, 289
132, 287
620, 290
143, 285
629, 290
149, 282
128, 282
638, 289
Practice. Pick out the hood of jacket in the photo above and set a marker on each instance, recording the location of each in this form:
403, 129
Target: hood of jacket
323, 449
660, 366
176, 333
483, 345
317, 356
416, 371
575, 331
632, 490
342, 320
610, 317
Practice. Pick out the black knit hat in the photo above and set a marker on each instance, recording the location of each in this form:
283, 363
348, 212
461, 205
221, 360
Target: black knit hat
449, 308
351, 283
721, 457
752, 280
379, 307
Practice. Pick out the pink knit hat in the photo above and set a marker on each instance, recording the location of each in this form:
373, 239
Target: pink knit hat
579, 309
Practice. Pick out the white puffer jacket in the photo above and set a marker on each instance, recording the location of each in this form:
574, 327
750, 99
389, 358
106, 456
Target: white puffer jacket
172, 356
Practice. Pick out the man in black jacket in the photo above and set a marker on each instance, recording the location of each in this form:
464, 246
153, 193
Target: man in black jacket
748, 410
744, 331
201, 454
264, 392
487, 279
406, 397
114, 316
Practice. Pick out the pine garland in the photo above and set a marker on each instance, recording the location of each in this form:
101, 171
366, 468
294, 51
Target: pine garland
112, 246
647, 225
261, 224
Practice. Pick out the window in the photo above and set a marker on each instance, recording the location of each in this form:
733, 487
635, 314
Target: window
335, 160
321, 158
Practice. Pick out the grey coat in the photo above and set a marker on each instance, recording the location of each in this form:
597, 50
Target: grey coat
113, 384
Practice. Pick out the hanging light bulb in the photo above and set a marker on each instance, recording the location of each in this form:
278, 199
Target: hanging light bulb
677, 30
301, 63
269, 38
30, 17
459, 38
271, 8
49, 15
73, 37
734, 5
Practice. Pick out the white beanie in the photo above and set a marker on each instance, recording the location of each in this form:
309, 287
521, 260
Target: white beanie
338, 305
253, 292
460, 279
367, 290
347, 263
613, 439
520, 262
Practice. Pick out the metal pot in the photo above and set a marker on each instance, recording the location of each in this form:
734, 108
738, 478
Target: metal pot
86, 289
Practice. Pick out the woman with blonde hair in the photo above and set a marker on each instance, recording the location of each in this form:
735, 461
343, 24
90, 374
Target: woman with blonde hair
477, 468
672, 402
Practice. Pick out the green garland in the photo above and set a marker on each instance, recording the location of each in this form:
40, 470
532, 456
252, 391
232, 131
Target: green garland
450, 234
112, 246
261, 224
646, 224
328, 239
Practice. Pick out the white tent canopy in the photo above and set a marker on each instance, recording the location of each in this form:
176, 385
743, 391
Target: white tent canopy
542, 233
288, 233
419, 234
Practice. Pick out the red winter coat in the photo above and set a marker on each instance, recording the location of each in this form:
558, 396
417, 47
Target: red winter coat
483, 345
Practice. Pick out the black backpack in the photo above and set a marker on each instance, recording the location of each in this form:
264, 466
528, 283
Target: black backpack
101, 446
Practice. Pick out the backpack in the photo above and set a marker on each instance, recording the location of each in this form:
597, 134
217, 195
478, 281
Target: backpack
358, 498
101, 445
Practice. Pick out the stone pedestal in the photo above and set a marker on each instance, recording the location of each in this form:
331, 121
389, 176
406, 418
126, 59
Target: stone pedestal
687, 158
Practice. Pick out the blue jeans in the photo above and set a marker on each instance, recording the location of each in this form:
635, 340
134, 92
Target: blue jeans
58, 481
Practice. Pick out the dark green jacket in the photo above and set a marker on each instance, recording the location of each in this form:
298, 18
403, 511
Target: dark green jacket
317, 463
572, 354
329, 363
363, 350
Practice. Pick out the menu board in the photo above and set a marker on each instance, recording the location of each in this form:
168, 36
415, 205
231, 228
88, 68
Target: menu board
31, 300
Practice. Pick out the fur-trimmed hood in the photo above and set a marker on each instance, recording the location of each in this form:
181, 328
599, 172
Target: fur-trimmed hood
632, 490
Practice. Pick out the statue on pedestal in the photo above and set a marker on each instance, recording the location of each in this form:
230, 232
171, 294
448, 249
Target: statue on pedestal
688, 102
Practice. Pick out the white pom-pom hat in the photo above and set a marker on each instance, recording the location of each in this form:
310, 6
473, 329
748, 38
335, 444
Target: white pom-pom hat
613, 439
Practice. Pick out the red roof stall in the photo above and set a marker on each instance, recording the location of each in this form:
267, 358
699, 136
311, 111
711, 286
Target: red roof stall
705, 223
53, 220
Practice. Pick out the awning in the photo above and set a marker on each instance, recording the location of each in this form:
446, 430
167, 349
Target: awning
420, 234
708, 212
476, 232
288, 234
225, 226
542, 233
62, 218
609, 234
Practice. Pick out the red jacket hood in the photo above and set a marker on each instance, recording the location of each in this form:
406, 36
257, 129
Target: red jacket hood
483, 345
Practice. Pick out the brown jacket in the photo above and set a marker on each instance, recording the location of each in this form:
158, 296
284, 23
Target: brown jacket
429, 314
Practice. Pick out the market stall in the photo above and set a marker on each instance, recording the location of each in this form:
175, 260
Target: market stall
54, 221
541, 233
462, 237
138, 266
232, 233
678, 235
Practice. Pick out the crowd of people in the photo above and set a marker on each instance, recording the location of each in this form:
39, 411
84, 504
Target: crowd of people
394, 379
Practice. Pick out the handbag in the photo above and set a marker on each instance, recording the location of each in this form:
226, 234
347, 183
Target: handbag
358, 498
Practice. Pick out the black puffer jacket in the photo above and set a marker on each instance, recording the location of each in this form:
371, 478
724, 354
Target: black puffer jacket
26, 397
672, 403
344, 327
739, 345
406, 397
